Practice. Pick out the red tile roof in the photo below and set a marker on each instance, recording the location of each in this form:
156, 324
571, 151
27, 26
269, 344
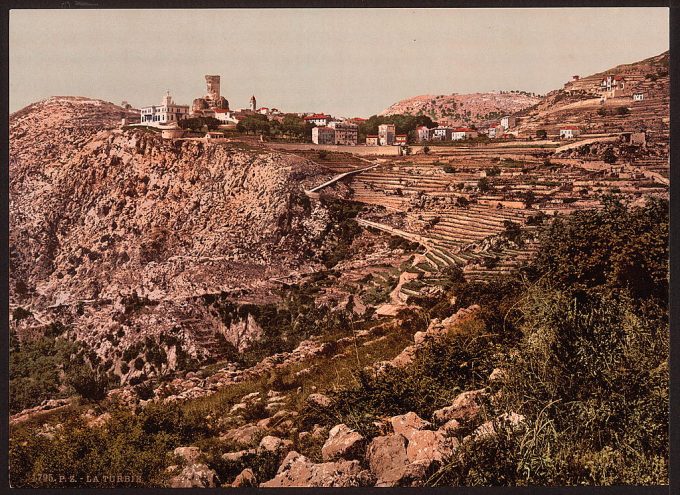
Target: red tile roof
570, 128
317, 116
463, 129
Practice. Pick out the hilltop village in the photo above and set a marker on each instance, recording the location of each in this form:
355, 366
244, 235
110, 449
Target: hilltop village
211, 117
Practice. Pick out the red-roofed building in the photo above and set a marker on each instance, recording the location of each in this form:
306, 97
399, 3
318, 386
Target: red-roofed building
496, 131
400, 139
372, 140
569, 131
613, 85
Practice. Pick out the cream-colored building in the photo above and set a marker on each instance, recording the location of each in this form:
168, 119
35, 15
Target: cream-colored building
386, 134
346, 133
165, 113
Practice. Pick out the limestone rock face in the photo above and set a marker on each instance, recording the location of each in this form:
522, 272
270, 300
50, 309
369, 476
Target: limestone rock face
122, 233
190, 455
342, 443
298, 471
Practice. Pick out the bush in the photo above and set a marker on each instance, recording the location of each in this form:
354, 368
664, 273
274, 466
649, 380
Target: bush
20, 313
89, 384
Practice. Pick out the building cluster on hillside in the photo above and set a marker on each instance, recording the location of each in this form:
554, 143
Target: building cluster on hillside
444, 133
333, 131
213, 104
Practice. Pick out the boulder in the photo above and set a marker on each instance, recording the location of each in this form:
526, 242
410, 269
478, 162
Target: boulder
245, 478
238, 455
342, 443
274, 444
430, 448
194, 476
512, 421
388, 461
298, 471
451, 427
319, 400
465, 406
408, 423
190, 455
243, 435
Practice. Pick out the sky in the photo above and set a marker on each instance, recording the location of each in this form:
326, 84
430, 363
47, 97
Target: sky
347, 62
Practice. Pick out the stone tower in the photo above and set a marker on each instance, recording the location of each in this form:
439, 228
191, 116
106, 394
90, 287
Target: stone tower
213, 85
253, 103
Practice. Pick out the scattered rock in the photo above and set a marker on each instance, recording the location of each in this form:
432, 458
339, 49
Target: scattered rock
190, 455
465, 406
430, 447
298, 471
274, 444
342, 443
319, 400
388, 461
245, 478
511, 420
195, 476
408, 423
243, 435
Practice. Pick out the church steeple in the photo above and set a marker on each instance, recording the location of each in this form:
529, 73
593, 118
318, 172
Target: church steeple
253, 103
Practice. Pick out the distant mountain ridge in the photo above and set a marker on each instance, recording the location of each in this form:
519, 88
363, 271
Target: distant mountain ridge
464, 109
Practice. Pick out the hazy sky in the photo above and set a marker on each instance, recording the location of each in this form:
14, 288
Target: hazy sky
349, 62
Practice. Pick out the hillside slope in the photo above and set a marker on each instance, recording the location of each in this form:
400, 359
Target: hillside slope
468, 109
580, 102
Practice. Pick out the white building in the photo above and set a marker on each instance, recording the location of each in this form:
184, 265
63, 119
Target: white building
463, 133
319, 119
386, 134
638, 96
496, 131
569, 132
441, 133
323, 135
508, 122
422, 133
167, 112
226, 116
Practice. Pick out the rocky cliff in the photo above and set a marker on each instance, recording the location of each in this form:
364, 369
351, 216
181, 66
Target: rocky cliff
117, 233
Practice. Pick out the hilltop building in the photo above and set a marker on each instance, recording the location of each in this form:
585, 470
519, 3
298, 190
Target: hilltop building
613, 86
441, 133
206, 105
253, 103
463, 133
167, 112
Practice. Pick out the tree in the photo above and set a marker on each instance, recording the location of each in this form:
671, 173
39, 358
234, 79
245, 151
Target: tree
426, 150
609, 156
484, 185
